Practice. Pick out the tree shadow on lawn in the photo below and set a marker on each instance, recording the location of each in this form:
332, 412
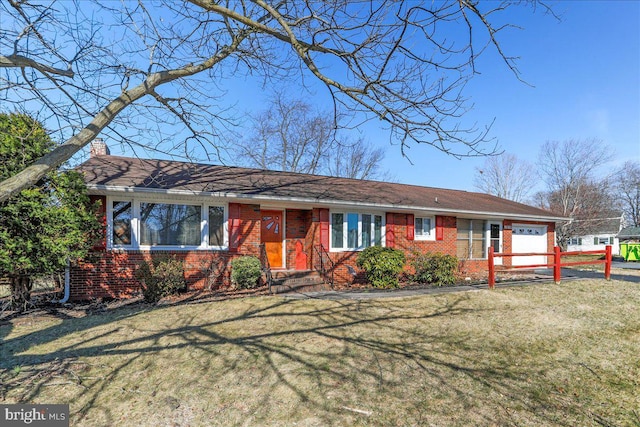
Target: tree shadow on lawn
324, 344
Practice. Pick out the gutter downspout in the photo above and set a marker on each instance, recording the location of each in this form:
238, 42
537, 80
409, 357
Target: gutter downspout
67, 282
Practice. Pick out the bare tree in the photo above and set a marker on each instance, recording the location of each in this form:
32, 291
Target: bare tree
291, 136
568, 169
152, 73
505, 176
356, 159
627, 186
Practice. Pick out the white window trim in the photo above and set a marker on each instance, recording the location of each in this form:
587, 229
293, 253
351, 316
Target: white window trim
109, 214
432, 231
135, 224
345, 230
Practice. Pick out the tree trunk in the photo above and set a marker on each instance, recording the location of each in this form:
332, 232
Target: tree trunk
20, 291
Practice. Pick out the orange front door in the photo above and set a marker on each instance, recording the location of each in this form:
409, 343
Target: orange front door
271, 235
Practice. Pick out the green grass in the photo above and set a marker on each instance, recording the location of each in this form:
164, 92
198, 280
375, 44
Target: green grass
553, 355
585, 258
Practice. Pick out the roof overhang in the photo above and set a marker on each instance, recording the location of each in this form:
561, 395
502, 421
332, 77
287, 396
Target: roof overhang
301, 202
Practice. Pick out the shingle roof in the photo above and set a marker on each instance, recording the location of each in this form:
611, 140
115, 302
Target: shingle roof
629, 233
113, 172
600, 225
610, 225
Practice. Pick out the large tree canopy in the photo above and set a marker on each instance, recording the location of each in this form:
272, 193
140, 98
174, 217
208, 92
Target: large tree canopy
136, 70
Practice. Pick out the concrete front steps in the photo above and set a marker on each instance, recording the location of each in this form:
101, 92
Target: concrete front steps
297, 281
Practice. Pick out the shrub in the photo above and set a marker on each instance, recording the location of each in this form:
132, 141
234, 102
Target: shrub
382, 265
245, 272
434, 268
162, 277
45, 224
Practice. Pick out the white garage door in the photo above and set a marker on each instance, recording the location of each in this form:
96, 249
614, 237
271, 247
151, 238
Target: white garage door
529, 238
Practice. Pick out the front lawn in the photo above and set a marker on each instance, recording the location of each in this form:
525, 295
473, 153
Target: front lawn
545, 354
585, 258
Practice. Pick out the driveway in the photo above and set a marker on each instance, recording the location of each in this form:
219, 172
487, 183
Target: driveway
626, 265
626, 274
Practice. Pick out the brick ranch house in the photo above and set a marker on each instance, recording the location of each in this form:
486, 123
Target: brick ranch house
206, 215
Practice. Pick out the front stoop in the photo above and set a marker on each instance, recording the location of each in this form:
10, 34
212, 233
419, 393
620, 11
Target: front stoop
297, 281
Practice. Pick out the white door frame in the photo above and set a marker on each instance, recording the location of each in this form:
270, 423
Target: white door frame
497, 260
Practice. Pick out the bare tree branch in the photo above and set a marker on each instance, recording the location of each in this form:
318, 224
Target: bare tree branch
18, 61
87, 69
568, 169
291, 136
505, 176
627, 187
64, 151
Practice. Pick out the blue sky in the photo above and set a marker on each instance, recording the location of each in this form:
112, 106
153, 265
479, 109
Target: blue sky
584, 72
583, 81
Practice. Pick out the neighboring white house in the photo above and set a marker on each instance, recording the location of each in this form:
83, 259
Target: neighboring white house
605, 233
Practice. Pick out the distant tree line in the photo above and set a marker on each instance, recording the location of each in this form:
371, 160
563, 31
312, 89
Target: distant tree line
572, 187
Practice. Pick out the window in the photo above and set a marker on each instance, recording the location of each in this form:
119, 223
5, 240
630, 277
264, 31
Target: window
423, 228
494, 237
355, 231
337, 223
216, 226
121, 230
140, 223
366, 230
163, 224
577, 241
603, 240
377, 230
470, 243
352, 230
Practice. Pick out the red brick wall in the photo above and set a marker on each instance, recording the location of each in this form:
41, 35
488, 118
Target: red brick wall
446, 246
342, 259
249, 230
112, 275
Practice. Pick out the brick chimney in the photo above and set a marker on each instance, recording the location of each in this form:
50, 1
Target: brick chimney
99, 148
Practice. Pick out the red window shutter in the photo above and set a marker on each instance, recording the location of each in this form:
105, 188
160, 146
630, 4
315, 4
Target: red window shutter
234, 226
390, 234
411, 227
439, 228
324, 228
